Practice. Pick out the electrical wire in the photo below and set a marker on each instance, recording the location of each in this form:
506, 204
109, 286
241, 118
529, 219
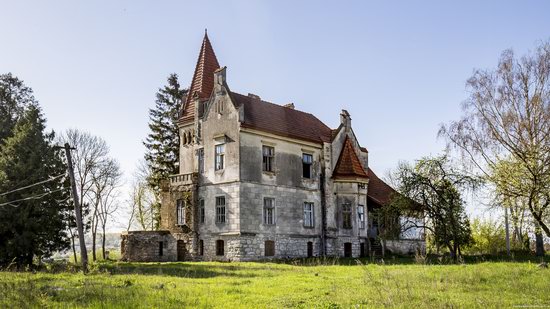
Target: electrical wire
35, 197
35, 184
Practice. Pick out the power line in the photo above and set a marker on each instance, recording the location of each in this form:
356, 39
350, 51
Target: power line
35, 184
35, 197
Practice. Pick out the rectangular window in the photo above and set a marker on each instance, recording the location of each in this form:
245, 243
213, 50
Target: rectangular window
307, 161
201, 247
269, 211
308, 215
161, 248
346, 216
361, 215
220, 154
268, 154
201, 161
202, 214
220, 247
180, 208
220, 209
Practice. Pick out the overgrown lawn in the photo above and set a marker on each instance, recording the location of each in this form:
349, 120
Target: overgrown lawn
272, 285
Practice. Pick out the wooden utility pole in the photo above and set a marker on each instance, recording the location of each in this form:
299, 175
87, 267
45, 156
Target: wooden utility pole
77, 210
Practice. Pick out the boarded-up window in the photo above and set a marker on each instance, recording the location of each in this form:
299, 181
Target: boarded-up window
346, 216
219, 247
269, 248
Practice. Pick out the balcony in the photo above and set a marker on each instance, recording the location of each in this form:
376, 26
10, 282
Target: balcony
183, 179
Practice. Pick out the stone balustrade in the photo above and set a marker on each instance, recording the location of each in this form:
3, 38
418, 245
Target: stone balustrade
183, 179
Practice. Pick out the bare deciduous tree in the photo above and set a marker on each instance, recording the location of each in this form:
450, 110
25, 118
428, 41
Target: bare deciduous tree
507, 118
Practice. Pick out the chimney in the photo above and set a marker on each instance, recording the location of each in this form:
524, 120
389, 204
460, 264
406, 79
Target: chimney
345, 119
289, 105
219, 76
254, 96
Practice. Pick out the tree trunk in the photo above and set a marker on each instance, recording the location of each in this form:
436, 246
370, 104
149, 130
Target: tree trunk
94, 257
539, 243
103, 243
74, 247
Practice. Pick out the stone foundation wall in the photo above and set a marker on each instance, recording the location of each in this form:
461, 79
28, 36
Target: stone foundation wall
250, 248
143, 246
406, 246
335, 246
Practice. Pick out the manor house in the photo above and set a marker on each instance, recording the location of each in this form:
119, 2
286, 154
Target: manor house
261, 180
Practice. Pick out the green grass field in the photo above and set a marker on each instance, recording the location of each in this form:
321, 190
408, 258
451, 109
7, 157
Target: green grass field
272, 285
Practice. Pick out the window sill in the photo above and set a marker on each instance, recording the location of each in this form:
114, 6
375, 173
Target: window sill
309, 227
270, 173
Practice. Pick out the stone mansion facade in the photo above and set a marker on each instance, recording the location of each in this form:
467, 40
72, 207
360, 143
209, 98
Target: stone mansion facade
259, 180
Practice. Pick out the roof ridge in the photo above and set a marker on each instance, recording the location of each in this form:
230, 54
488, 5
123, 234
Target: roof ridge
278, 105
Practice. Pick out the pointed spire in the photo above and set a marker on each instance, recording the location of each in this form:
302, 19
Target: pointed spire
348, 165
203, 78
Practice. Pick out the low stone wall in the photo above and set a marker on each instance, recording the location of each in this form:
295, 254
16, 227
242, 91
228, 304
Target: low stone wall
144, 246
406, 246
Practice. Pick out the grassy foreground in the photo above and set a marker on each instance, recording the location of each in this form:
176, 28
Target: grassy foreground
271, 285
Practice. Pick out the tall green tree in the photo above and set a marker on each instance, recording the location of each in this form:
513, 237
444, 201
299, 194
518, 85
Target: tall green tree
431, 189
162, 143
15, 98
33, 220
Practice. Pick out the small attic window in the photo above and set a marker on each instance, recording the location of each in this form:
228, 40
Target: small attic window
219, 106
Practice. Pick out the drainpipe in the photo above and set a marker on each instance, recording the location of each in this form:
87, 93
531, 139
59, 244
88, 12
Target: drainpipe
323, 215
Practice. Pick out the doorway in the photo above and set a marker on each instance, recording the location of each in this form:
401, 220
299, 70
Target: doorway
181, 250
347, 249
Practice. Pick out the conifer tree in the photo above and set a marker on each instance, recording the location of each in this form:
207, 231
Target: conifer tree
162, 143
33, 220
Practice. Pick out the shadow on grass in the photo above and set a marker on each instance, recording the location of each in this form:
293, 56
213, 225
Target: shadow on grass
179, 269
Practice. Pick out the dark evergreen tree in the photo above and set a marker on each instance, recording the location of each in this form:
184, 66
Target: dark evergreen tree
33, 220
162, 143
15, 98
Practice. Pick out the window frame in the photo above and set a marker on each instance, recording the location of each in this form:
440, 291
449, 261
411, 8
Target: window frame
180, 212
221, 217
311, 213
361, 216
346, 216
269, 209
219, 157
309, 165
202, 212
268, 158
201, 160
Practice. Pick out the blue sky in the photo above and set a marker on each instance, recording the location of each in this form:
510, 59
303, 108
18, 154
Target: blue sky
399, 67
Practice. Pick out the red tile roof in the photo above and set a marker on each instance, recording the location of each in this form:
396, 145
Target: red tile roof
348, 165
203, 79
280, 120
378, 191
